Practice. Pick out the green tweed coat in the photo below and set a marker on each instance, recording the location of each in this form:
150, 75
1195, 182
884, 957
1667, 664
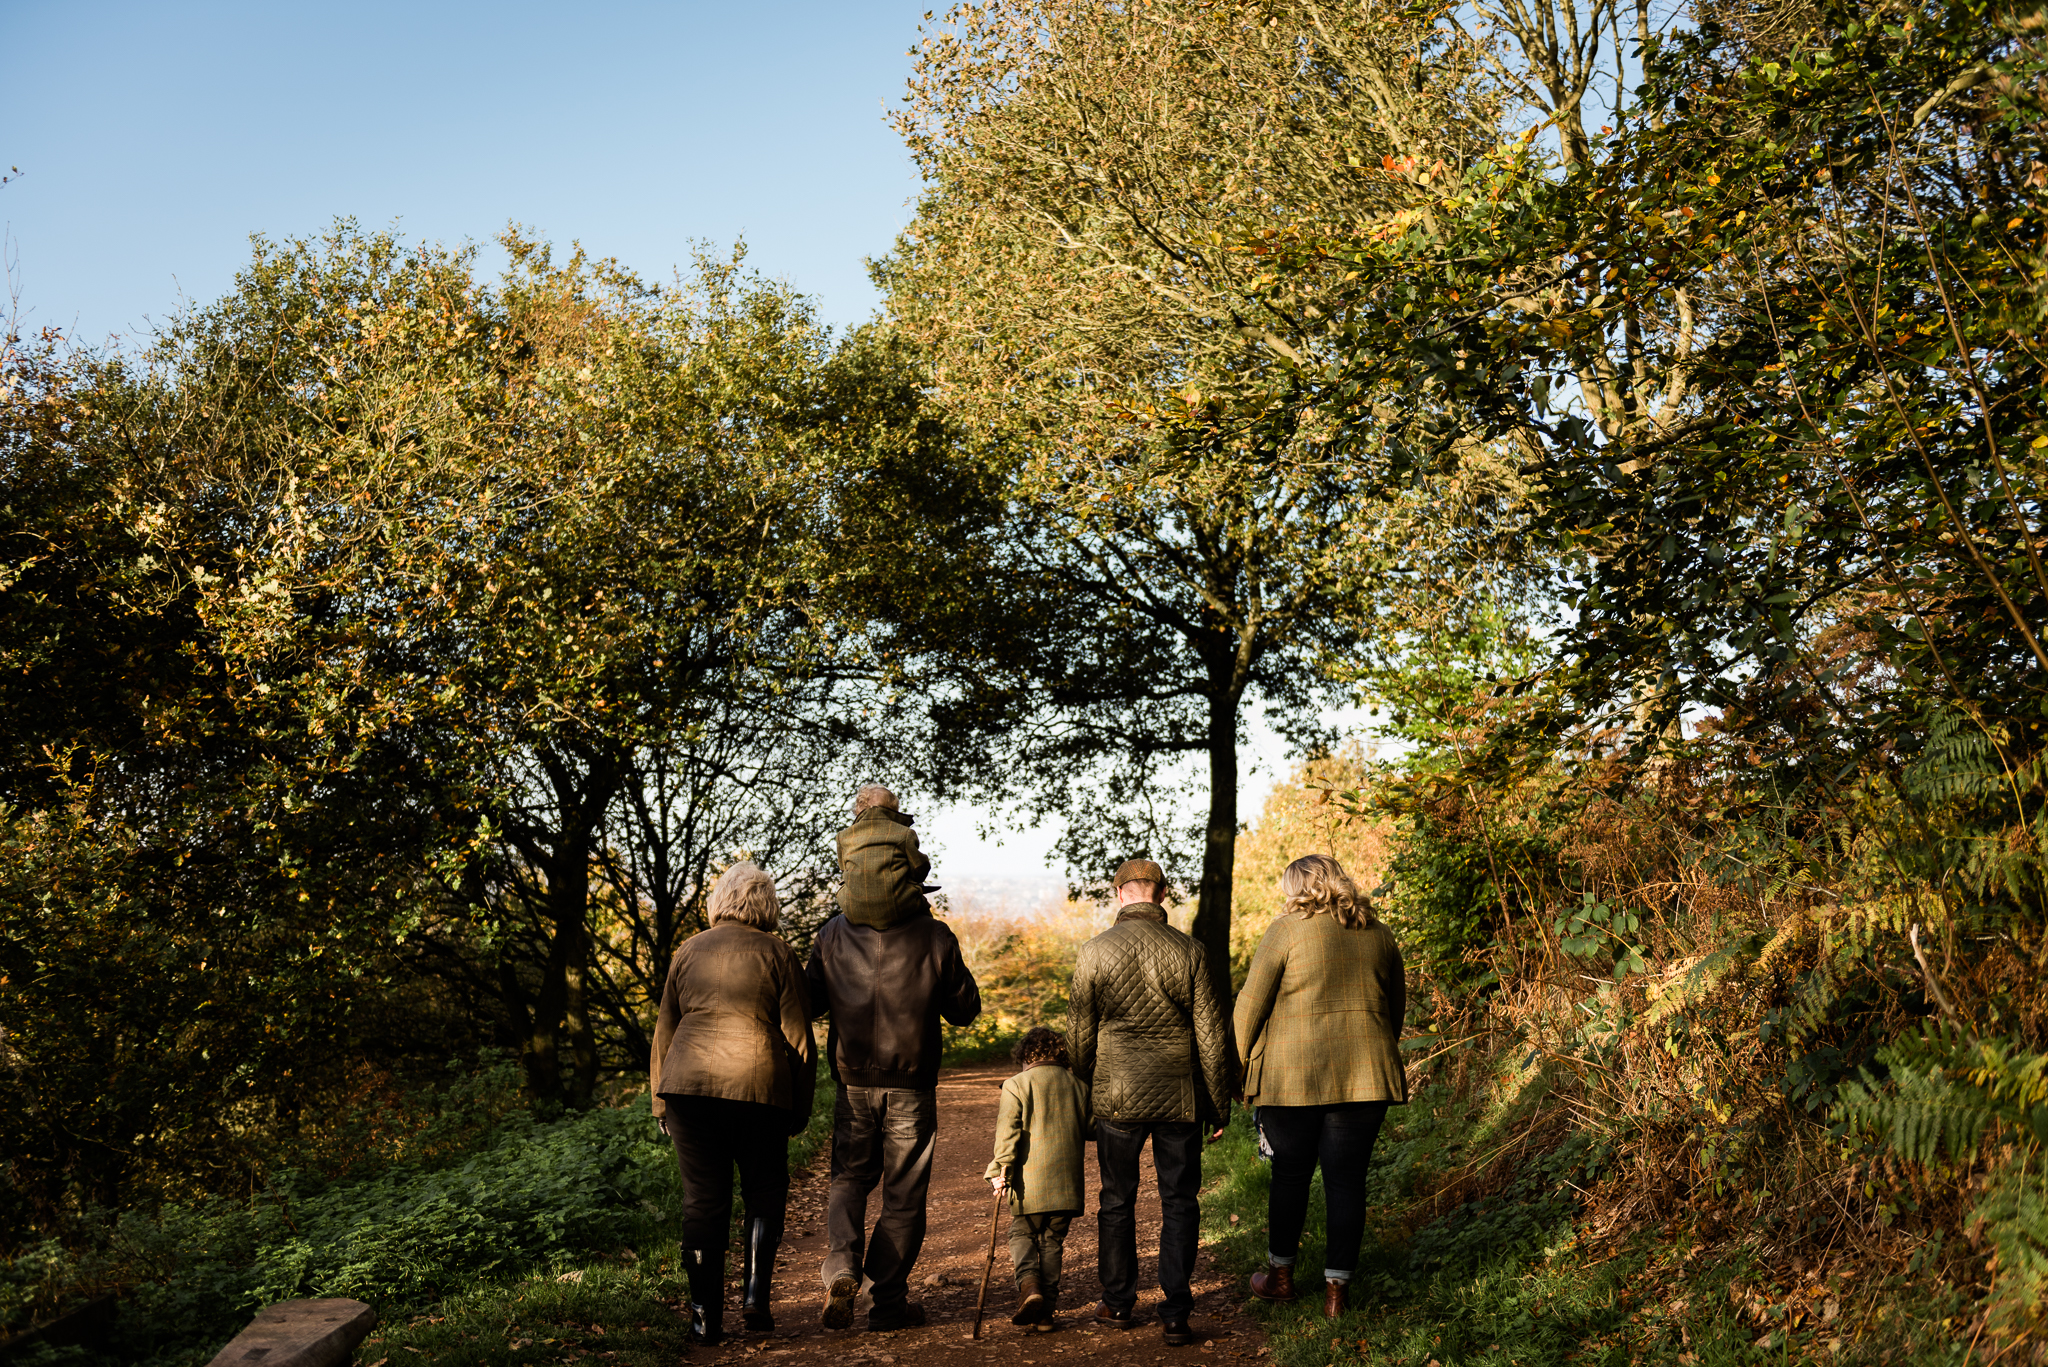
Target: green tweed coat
1319, 1020
883, 869
1042, 1122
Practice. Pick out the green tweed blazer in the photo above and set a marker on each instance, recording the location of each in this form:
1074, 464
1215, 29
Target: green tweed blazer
883, 869
1319, 1020
1042, 1123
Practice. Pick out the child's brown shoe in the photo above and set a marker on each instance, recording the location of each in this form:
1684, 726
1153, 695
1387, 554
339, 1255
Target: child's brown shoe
1030, 1301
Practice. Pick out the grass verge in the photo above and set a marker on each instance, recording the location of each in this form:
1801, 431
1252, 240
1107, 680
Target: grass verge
545, 1241
1513, 1275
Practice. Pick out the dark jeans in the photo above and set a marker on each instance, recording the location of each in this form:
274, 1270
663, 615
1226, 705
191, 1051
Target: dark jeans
879, 1135
712, 1134
1338, 1137
1177, 1155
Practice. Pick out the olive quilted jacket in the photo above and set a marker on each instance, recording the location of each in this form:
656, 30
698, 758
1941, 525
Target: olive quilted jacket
1144, 1028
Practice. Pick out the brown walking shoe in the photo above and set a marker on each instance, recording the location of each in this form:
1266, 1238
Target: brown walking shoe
838, 1311
1276, 1283
1107, 1314
1336, 1298
1030, 1301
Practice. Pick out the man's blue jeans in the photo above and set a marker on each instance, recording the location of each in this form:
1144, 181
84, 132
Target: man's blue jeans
880, 1136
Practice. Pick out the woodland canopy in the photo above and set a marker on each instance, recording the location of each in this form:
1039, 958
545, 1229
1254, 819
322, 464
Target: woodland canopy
1643, 410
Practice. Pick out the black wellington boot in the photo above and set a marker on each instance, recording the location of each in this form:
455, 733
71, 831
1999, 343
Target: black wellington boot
706, 1271
763, 1237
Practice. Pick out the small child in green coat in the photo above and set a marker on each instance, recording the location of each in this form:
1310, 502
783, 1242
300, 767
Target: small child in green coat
1042, 1126
882, 868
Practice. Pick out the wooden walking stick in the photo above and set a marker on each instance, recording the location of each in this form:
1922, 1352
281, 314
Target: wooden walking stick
995, 1219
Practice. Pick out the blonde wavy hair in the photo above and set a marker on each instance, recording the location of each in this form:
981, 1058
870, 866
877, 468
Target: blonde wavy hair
1316, 885
745, 893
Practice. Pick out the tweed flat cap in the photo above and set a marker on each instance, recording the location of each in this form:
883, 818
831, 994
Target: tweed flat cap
1138, 871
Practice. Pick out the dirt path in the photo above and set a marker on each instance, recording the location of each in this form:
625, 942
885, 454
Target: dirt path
948, 1274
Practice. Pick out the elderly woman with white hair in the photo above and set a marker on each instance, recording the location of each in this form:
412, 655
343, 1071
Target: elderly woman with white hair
1318, 1035
733, 1074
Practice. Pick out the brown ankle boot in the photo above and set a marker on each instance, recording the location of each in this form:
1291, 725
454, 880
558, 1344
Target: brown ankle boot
1276, 1283
1030, 1301
1336, 1298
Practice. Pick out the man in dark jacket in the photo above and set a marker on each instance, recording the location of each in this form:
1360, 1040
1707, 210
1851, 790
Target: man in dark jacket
886, 986
1148, 1035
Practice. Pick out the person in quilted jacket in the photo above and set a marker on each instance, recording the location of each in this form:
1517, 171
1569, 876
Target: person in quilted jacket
1147, 1036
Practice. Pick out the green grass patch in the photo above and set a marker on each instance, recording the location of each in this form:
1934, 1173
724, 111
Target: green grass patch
1508, 1278
547, 1236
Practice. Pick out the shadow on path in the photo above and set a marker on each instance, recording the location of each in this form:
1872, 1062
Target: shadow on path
948, 1273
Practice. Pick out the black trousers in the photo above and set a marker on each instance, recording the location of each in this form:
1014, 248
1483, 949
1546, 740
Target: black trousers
1340, 1139
880, 1136
711, 1135
1177, 1156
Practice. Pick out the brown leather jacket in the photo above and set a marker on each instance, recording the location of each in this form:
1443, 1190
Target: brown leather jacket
887, 991
735, 1023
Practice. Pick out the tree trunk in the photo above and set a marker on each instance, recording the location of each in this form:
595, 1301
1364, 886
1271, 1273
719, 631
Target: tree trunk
551, 1005
1219, 846
569, 899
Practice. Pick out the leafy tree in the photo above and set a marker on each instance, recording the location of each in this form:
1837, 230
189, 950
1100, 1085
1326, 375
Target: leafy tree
1837, 527
354, 627
1088, 280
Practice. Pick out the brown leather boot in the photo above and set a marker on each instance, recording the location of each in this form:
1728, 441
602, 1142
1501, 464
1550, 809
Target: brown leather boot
1030, 1301
1336, 1298
1045, 1324
1276, 1283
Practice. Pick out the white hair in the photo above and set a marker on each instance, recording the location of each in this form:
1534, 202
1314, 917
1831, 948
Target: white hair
745, 893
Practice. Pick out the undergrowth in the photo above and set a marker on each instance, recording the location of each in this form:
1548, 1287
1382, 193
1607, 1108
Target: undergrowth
1515, 1276
540, 1234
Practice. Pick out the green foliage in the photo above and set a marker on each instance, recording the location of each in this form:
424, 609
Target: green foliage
623, 1313
540, 1192
391, 660
1946, 1090
535, 1194
1594, 929
2013, 1216
1510, 1273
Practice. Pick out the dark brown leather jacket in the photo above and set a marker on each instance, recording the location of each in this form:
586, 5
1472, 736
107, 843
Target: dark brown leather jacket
886, 991
1144, 1027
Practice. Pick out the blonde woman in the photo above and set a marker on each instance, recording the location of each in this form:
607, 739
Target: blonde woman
733, 1073
1318, 1034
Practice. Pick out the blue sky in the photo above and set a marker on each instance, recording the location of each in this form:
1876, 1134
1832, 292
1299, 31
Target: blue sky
153, 139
